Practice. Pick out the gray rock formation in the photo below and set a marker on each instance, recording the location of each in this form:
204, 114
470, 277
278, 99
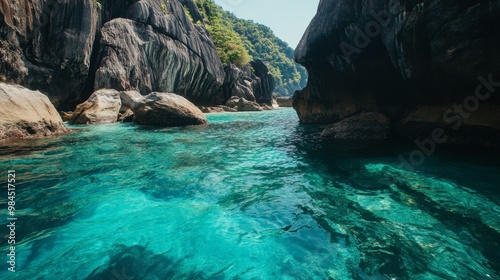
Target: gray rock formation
47, 45
243, 105
27, 114
398, 58
167, 109
238, 83
158, 49
57, 46
252, 82
263, 85
102, 107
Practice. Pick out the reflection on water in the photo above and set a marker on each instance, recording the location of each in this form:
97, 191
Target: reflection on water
251, 196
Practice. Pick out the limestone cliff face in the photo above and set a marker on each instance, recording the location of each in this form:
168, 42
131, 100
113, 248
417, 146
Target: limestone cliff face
413, 61
47, 45
69, 48
157, 48
252, 82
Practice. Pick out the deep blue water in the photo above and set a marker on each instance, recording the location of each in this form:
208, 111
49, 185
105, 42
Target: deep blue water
251, 196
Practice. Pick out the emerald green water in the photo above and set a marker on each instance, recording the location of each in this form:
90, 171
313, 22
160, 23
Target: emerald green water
251, 196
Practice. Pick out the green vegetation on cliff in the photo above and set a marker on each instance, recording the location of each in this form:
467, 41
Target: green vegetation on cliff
239, 41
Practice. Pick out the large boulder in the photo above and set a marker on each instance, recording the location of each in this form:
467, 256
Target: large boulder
27, 114
102, 107
167, 109
398, 58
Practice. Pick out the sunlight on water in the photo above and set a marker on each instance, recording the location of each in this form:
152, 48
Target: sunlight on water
251, 196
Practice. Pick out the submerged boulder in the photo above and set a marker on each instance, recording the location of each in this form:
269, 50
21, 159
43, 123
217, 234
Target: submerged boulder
167, 109
102, 107
27, 114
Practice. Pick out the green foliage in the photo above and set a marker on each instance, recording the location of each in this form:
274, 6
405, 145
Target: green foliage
164, 8
188, 14
229, 44
238, 40
97, 4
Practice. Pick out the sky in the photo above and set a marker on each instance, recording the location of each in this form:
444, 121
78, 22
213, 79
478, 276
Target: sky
287, 18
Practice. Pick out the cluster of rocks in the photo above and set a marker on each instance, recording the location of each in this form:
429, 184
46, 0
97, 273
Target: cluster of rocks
381, 69
89, 54
156, 108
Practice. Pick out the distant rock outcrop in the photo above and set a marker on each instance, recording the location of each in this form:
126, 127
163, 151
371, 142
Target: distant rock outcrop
243, 105
284, 101
263, 85
252, 83
238, 83
398, 58
27, 114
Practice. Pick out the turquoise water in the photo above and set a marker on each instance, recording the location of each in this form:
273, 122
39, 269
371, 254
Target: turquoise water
251, 196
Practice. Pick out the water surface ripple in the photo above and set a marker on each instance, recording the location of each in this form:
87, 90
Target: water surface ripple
251, 196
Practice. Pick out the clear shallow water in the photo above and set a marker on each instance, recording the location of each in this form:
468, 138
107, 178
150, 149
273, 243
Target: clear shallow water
252, 196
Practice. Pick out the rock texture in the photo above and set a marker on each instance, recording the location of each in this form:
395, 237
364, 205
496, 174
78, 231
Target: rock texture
243, 105
401, 57
238, 83
103, 106
363, 126
27, 114
157, 48
167, 109
252, 82
263, 85
68, 49
47, 45
284, 101
217, 109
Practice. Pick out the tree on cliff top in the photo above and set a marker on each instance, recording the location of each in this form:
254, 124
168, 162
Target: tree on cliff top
229, 44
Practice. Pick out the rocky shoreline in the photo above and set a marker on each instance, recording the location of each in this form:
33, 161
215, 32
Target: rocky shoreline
92, 58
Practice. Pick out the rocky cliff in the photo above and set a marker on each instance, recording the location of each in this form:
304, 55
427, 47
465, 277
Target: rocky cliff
67, 49
425, 65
